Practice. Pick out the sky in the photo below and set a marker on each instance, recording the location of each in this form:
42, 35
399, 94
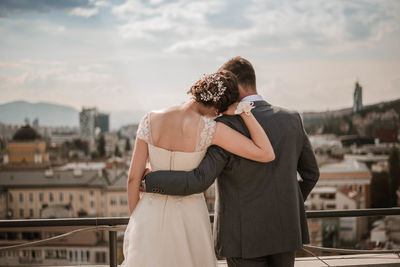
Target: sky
144, 55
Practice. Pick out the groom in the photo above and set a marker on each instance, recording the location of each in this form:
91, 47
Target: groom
260, 218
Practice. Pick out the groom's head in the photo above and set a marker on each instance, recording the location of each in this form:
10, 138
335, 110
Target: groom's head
245, 74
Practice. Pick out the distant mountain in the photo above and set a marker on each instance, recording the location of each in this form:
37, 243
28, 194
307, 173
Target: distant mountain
50, 114
47, 113
375, 121
316, 117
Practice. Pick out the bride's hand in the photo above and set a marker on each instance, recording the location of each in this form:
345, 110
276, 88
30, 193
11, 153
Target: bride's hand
231, 109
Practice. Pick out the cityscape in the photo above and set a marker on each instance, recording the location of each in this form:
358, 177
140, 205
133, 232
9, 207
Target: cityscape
77, 77
80, 172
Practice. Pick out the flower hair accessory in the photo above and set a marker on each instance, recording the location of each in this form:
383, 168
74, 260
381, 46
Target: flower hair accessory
215, 96
245, 107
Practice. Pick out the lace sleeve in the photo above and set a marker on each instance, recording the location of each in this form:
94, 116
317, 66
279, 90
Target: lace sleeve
143, 131
206, 134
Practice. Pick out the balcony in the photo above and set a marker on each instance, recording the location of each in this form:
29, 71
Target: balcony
332, 257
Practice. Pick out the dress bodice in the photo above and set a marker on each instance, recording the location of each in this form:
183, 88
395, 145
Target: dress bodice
163, 159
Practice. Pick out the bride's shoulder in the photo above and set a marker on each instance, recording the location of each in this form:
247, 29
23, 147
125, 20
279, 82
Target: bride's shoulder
164, 111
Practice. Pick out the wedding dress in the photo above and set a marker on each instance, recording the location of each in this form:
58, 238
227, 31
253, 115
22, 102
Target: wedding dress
171, 231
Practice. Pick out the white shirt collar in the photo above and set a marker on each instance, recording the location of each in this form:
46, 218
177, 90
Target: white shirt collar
253, 98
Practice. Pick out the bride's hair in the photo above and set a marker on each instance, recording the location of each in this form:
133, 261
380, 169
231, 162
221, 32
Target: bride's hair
219, 90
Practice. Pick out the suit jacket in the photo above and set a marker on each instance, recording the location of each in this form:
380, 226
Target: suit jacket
259, 206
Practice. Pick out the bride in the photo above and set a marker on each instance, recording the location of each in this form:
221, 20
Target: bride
175, 231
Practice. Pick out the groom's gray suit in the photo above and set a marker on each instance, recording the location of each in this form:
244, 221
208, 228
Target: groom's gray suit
260, 206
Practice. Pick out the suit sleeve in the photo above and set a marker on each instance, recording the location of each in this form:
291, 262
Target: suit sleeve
189, 182
307, 165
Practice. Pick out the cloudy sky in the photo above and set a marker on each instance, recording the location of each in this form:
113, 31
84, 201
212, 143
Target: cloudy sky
143, 55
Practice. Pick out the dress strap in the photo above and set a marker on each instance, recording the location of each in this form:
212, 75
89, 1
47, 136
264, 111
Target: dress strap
206, 134
144, 130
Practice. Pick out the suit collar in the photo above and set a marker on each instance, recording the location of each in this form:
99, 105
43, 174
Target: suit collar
262, 103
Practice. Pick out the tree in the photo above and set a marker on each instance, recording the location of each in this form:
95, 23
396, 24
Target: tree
101, 146
127, 145
117, 153
394, 172
380, 190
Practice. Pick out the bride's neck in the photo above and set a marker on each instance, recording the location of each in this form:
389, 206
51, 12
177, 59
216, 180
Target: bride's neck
198, 107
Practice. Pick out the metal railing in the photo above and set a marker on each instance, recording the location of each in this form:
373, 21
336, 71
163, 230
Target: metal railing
117, 221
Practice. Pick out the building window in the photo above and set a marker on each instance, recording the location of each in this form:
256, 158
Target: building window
71, 197
21, 213
31, 197
360, 188
345, 207
92, 204
81, 197
51, 197
21, 197
100, 257
31, 213
10, 198
123, 201
113, 201
331, 206
41, 197
327, 196
87, 255
61, 197
91, 192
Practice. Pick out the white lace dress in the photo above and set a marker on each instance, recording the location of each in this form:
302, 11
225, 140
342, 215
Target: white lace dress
171, 231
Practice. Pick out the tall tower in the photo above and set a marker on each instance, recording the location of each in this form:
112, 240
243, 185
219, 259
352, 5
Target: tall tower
87, 122
357, 106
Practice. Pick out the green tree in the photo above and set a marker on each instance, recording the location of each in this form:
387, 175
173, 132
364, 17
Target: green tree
394, 172
127, 145
117, 153
101, 146
380, 190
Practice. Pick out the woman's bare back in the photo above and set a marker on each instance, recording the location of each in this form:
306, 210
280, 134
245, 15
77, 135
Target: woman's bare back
176, 128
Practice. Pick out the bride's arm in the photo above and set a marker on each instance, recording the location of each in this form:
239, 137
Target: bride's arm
257, 148
136, 170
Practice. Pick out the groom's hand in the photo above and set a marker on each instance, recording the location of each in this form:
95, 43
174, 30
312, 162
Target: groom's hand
142, 184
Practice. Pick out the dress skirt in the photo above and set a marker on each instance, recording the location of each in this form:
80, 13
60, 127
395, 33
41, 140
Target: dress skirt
169, 231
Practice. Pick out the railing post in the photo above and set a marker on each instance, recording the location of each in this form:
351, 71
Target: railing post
112, 247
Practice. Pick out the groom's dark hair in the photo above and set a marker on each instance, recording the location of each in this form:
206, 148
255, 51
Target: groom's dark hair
244, 72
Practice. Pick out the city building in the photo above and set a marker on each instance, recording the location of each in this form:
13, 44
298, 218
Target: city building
357, 106
89, 247
90, 119
103, 122
88, 123
26, 149
86, 192
350, 174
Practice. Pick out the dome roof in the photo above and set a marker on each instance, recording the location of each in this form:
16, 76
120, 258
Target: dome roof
26, 133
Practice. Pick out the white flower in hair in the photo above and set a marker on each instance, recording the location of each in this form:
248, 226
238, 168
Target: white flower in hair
207, 95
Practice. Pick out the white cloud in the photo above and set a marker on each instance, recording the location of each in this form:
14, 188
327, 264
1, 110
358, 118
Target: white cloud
334, 25
102, 3
84, 12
